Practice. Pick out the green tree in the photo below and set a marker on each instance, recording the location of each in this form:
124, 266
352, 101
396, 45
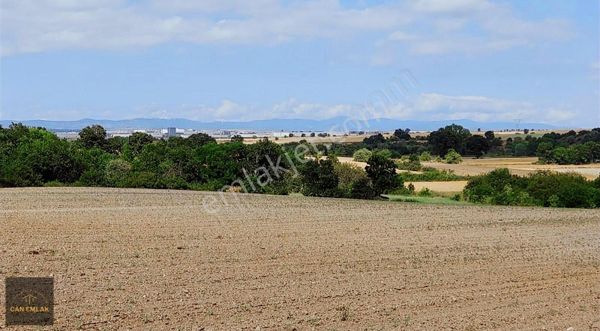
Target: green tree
450, 137
362, 155
348, 175
544, 149
319, 179
402, 134
362, 189
117, 171
137, 141
199, 139
116, 145
94, 161
382, 172
93, 136
477, 145
374, 140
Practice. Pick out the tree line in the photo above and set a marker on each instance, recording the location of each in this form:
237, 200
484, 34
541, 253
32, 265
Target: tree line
37, 157
567, 148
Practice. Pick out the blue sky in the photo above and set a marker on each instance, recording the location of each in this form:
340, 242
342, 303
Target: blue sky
535, 60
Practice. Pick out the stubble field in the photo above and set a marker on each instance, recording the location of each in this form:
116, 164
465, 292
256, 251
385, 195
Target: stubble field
146, 259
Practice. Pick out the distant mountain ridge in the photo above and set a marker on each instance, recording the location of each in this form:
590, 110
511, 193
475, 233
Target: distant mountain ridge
332, 124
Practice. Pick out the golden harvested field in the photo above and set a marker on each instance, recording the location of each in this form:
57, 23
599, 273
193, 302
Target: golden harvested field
149, 260
448, 186
517, 165
346, 159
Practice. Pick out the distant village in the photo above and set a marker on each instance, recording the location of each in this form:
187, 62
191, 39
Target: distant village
166, 133
222, 134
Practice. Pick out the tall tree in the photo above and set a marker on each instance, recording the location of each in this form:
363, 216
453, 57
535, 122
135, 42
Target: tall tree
199, 139
93, 136
382, 172
450, 137
477, 145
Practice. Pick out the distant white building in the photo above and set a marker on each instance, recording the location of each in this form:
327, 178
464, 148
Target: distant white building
281, 134
171, 132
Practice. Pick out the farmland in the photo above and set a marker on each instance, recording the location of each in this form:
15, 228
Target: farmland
516, 165
473, 167
149, 259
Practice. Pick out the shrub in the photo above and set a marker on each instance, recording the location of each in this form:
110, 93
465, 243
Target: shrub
411, 165
425, 192
348, 174
142, 179
543, 188
362, 189
425, 156
431, 174
117, 171
172, 182
284, 186
452, 157
383, 152
596, 183
511, 197
362, 155
577, 194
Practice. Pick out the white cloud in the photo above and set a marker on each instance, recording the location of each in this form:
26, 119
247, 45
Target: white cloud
476, 26
425, 106
450, 6
41, 25
481, 108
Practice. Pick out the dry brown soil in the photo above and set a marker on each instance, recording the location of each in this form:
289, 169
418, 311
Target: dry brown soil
150, 260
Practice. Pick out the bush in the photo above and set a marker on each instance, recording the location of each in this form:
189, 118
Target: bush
452, 157
410, 163
284, 186
319, 179
142, 179
383, 152
348, 174
116, 172
362, 189
425, 192
362, 155
543, 188
431, 174
425, 157
511, 197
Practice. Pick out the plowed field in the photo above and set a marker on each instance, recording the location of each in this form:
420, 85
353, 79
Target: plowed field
149, 260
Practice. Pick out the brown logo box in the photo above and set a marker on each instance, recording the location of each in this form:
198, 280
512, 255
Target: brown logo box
29, 301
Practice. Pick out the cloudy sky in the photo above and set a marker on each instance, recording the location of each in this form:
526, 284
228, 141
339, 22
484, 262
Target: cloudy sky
534, 60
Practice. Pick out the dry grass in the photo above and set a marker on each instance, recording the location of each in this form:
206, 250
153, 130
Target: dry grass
519, 166
447, 186
145, 259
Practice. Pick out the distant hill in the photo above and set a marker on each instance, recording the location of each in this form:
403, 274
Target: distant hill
332, 124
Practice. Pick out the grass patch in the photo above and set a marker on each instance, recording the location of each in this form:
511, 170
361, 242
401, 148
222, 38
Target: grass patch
432, 175
428, 200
